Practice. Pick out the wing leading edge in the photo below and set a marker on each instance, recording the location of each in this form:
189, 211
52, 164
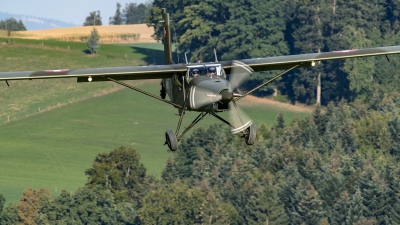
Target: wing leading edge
167, 71
100, 74
286, 62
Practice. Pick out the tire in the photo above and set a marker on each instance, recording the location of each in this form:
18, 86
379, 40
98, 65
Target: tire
171, 140
251, 134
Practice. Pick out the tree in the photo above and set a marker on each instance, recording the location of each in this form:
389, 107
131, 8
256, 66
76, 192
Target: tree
310, 206
134, 13
28, 207
212, 211
121, 172
9, 215
94, 19
12, 24
340, 209
360, 71
93, 42
172, 204
169, 174
117, 18
2, 201
86, 206
308, 36
356, 209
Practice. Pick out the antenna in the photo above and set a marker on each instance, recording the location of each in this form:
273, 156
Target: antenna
186, 59
215, 54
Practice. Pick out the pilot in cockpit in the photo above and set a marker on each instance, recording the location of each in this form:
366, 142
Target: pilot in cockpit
211, 71
195, 73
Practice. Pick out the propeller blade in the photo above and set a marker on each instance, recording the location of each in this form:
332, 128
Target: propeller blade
239, 119
239, 72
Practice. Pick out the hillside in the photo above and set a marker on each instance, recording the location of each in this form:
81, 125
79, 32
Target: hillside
35, 23
57, 126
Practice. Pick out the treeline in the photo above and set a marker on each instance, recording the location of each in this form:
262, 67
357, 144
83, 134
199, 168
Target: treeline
340, 165
132, 13
12, 24
258, 28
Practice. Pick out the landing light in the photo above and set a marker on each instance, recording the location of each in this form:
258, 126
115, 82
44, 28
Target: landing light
312, 63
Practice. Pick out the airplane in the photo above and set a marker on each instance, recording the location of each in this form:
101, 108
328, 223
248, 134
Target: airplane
201, 87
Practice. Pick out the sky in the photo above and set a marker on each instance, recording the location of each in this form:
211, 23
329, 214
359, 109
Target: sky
70, 11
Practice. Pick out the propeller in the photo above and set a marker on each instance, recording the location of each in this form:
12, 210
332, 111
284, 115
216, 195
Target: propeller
202, 97
237, 117
239, 72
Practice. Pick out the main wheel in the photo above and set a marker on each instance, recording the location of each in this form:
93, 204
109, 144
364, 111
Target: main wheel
250, 135
172, 142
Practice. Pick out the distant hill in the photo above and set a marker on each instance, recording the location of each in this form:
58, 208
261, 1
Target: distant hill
36, 23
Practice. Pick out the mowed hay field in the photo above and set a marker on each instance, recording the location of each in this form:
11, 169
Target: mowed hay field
135, 33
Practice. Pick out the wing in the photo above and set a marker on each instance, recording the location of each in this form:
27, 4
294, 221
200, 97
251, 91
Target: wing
167, 71
286, 62
100, 74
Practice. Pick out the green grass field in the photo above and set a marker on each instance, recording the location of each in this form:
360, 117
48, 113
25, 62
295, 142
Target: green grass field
52, 149
38, 95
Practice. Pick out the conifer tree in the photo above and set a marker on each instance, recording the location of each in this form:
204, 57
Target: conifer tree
212, 212
310, 206
356, 209
395, 211
93, 42
374, 193
291, 192
169, 174
340, 209
266, 208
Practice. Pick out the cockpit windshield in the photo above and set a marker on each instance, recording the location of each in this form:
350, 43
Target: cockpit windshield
215, 69
197, 71
205, 70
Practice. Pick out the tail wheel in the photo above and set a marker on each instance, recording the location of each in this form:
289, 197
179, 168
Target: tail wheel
250, 135
171, 140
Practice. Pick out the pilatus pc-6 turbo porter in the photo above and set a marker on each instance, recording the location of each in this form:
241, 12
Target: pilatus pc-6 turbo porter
200, 87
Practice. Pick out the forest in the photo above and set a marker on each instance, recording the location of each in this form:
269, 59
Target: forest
340, 165
258, 28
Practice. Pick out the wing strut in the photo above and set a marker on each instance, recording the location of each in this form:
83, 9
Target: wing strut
267, 82
143, 92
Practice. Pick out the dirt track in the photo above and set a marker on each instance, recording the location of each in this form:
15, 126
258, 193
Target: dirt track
252, 100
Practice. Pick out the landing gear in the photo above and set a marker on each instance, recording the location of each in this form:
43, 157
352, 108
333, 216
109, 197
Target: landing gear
171, 140
250, 134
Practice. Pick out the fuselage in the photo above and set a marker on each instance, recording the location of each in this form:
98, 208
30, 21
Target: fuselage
206, 91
